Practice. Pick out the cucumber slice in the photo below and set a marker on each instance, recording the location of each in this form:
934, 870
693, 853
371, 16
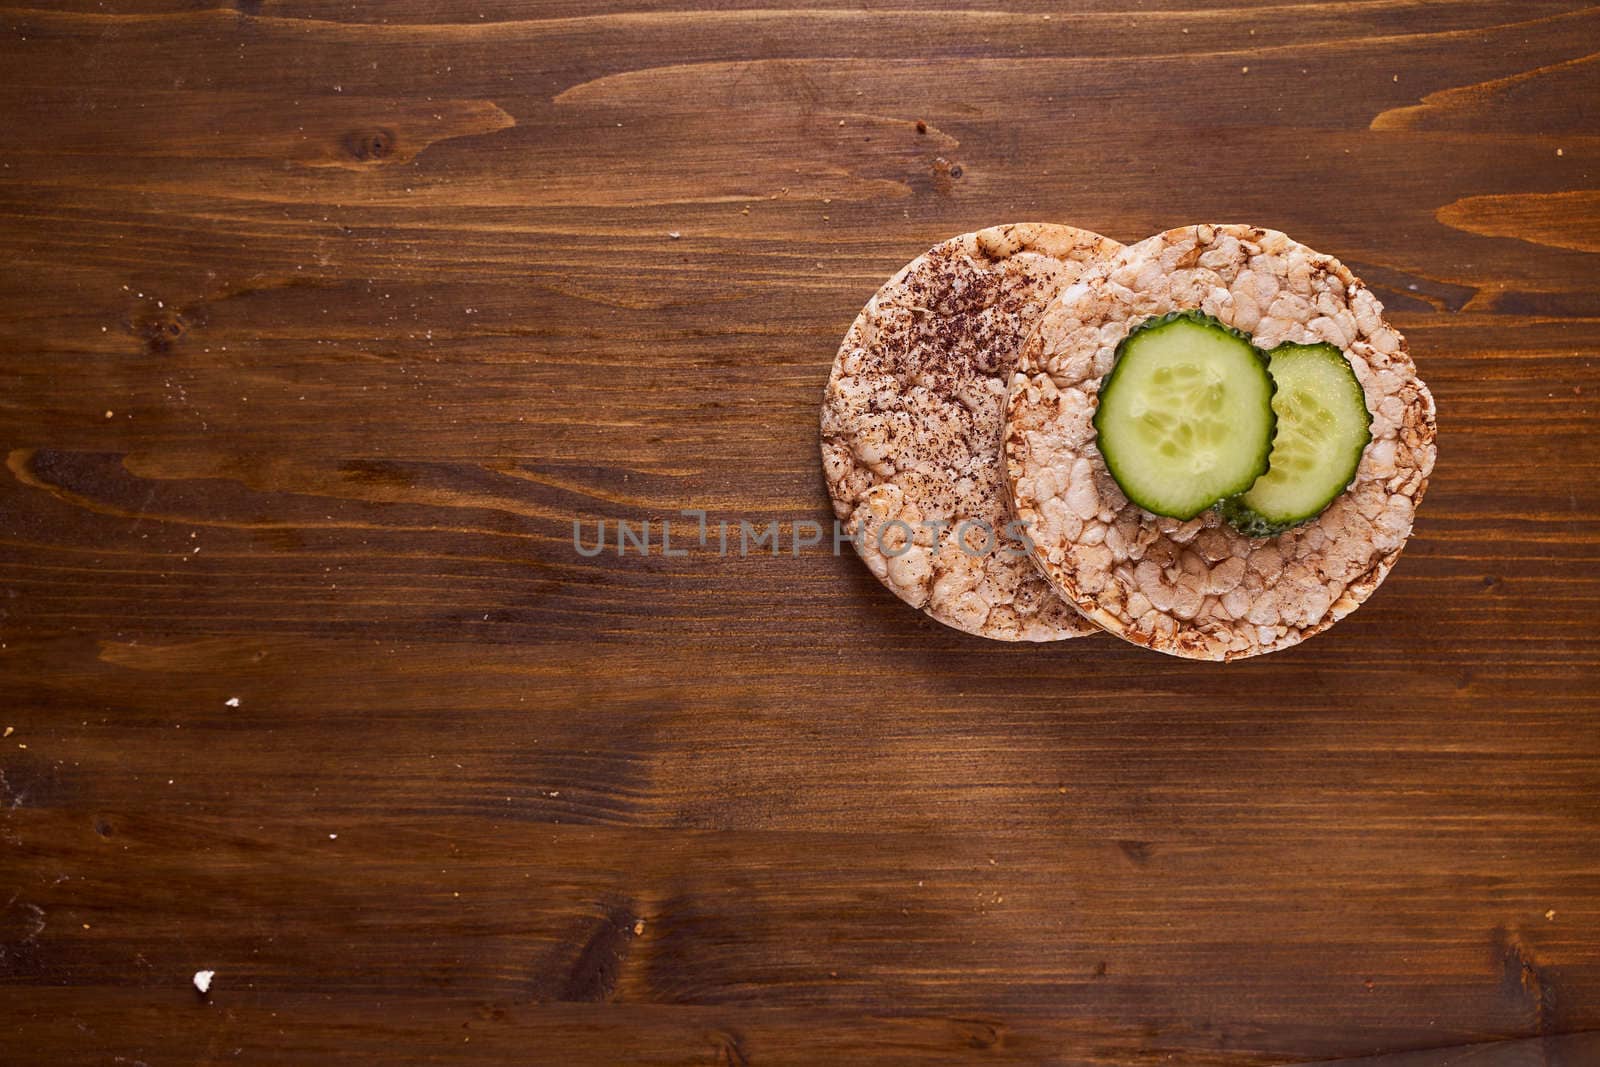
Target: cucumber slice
1185, 416
1323, 427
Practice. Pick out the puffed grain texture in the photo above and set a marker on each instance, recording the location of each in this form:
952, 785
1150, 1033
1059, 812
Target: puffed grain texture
1199, 588
911, 427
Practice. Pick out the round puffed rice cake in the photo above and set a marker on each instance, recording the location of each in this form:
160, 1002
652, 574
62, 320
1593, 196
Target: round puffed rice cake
911, 427
1198, 588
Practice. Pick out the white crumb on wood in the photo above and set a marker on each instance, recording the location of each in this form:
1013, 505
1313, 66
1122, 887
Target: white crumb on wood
202, 980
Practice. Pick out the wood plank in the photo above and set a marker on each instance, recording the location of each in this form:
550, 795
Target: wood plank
518, 913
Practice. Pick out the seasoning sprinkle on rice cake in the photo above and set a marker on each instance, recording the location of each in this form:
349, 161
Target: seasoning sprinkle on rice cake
1199, 588
911, 427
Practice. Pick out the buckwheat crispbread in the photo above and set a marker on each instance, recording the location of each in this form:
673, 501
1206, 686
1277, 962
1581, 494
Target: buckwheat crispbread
1199, 588
911, 427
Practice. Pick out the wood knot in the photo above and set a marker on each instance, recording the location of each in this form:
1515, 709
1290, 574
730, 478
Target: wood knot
728, 1046
1526, 981
594, 974
370, 146
945, 175
160, 330
1137, 851
978, 1033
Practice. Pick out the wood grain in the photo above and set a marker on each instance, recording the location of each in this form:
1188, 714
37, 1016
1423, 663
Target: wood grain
322, 325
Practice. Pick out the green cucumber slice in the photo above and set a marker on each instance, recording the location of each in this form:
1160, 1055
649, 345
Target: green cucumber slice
1185, 416
1323, 427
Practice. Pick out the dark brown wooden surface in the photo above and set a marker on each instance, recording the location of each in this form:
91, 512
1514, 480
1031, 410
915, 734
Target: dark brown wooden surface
320, 323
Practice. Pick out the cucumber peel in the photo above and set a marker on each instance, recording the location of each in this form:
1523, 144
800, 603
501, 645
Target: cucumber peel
1186, 417
1323, 429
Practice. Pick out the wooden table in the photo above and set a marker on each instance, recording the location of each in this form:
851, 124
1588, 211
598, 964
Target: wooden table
321, 323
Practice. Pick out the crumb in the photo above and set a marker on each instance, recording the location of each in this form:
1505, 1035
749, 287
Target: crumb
841, 122
674, 234
1244, 70
110, 413
1550, 915
1559, 152
232, 702
922, 127
1369, 983
333, 837
9, 731
202, 980
638, 928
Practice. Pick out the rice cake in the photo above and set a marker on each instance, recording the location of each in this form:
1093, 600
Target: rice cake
1199, 588
911, 427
